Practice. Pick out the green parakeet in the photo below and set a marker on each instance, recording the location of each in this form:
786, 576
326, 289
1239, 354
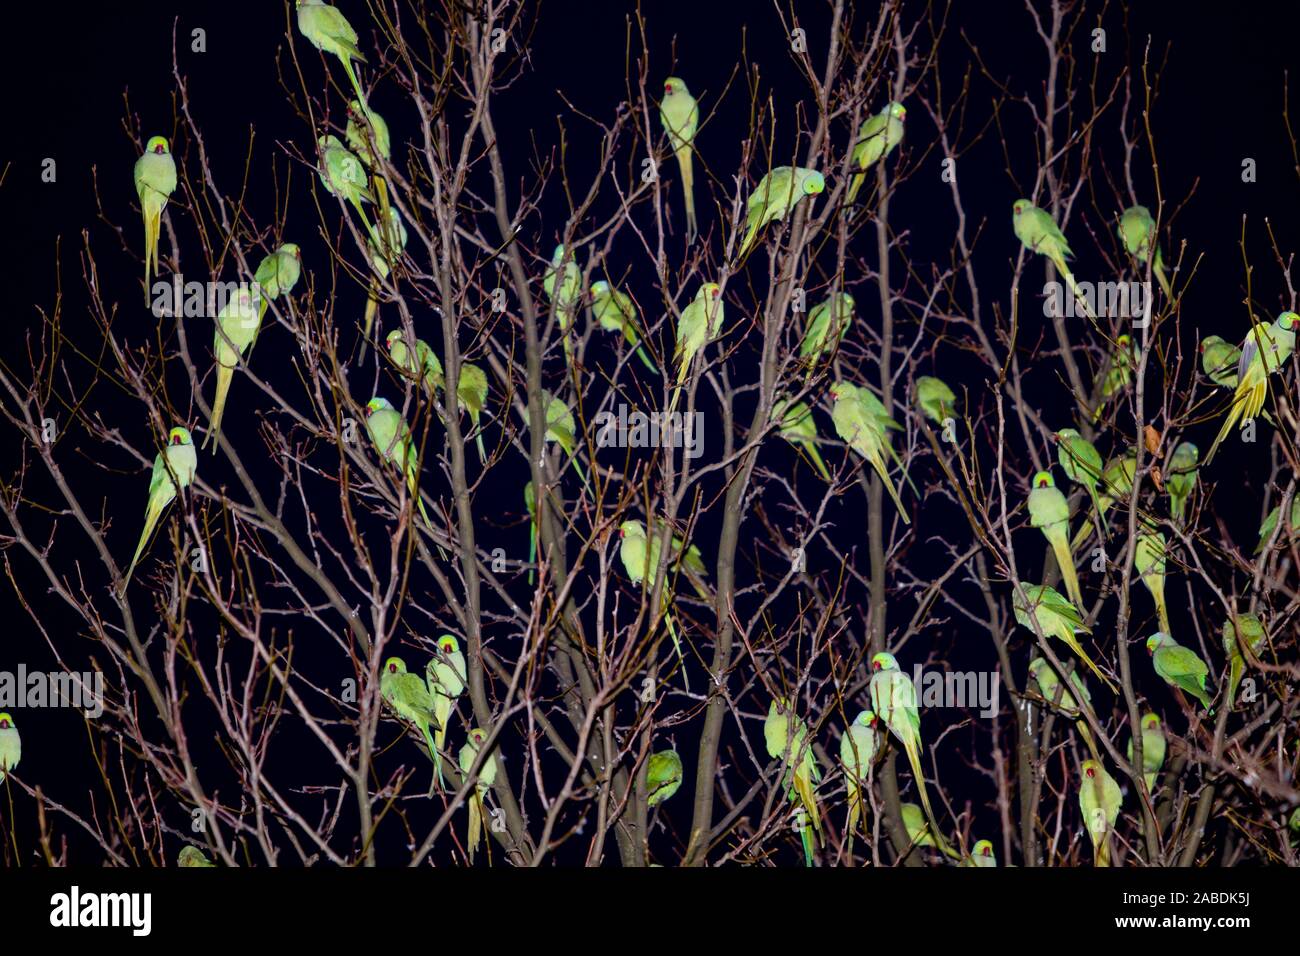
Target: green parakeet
155, 181
393, 440
701, 322
1252, 634
857, 754
893, 698
828, 323
1116, 484
1039, 233
444, 678
237, 325
422, 365
1149, 561
877, 137
328, 30
172, 469
472, 393
862, 431
1270, 524
918, 831
787, 738
11, 745
641, 554
487, 775
1263, 352
1117, 374
981, 855
935, 399
1049, 685
562, 429
1153, 749
1137, 230
343, 175
775, 195
1219, 361
1050, 513
566, 295
616, 312
1081, 463
680, 115
367, 135
276, 275
410, 700
1179, 667
1180, 479
385, 250
192, 856
797, 426
663, 776
1056, 618
1099, 801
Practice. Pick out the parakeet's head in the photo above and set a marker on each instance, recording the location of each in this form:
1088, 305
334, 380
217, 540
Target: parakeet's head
395, 665
179, 436
157, 144
600, 287
558, 255
1157, 640
634, 529
1124, 341
1036, 666
884, 661
779, 705
448, 644
1044, 480
1191, 449
393, 338
865, 718
840, 390
354, 108
982, 848
1021, 206
1288, 321
1089, 768
710, 291
674, 86
1150, 722
291, 249
813, 184
1066, 434
898, 111
6, 721
377, 404
477, 736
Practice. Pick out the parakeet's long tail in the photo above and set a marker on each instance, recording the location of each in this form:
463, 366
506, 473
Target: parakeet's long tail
914, 757
1158, 270
441, 713
1086, 734
151, 515
879, 465
478, 440
261, 314
1073, 643
817, 460
224, 377
372, 308
475, 825
855, 183
645, 360
1059, 261
688, 188
677, 644
806, 837
436, 782
1162, 609
151, 229
1101, 852
532, 550
750, 232
1246, 404
356, 84
1056, 537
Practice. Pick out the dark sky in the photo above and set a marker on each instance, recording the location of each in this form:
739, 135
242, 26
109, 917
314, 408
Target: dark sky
1221, 99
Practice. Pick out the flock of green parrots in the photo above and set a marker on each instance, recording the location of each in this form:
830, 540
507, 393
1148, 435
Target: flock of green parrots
353, 172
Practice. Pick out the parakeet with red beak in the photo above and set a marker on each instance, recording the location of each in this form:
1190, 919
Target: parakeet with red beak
444, 677
981, 855
409, 698
328, 30
1049, 512
1153, 749
392, 439
775, 196
862, 431
11, 745
1179, 667
1099, 800
487, 775
155, 181
1264, 351
192, 856
1039, 233
857, 753
786, 737
680, 115
276, 275
237, 325
893, 698
172, 469
700, 323
877, 137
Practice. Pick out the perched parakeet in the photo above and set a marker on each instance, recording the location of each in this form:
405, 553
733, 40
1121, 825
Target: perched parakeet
392, 438
680, 115
1081, 463
422, 364
1149, 562
893, 698
863, 432
1050, 513
1252, 634
1116, 485
192, 856
1056, 617
385, 249
1180, 479
1039, 233
328, 30
935, 399
1263, 352
472, 393
276, 275
1269, 525
1049, 686
616, 312
444, 677
877, 137
1137, 230
1153, 749
562, 429
1219, 361
1099, 801
410, 700
1117, 374
343, 175
775, 195
828, 323
566, 295
487, 775
787, 738
155, 181
237, 325
1179, 667
918, 831
857, 753
172, 469
797, 426
981, 854
700, 323
367, 135
11, 745
641, 554
663, 776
